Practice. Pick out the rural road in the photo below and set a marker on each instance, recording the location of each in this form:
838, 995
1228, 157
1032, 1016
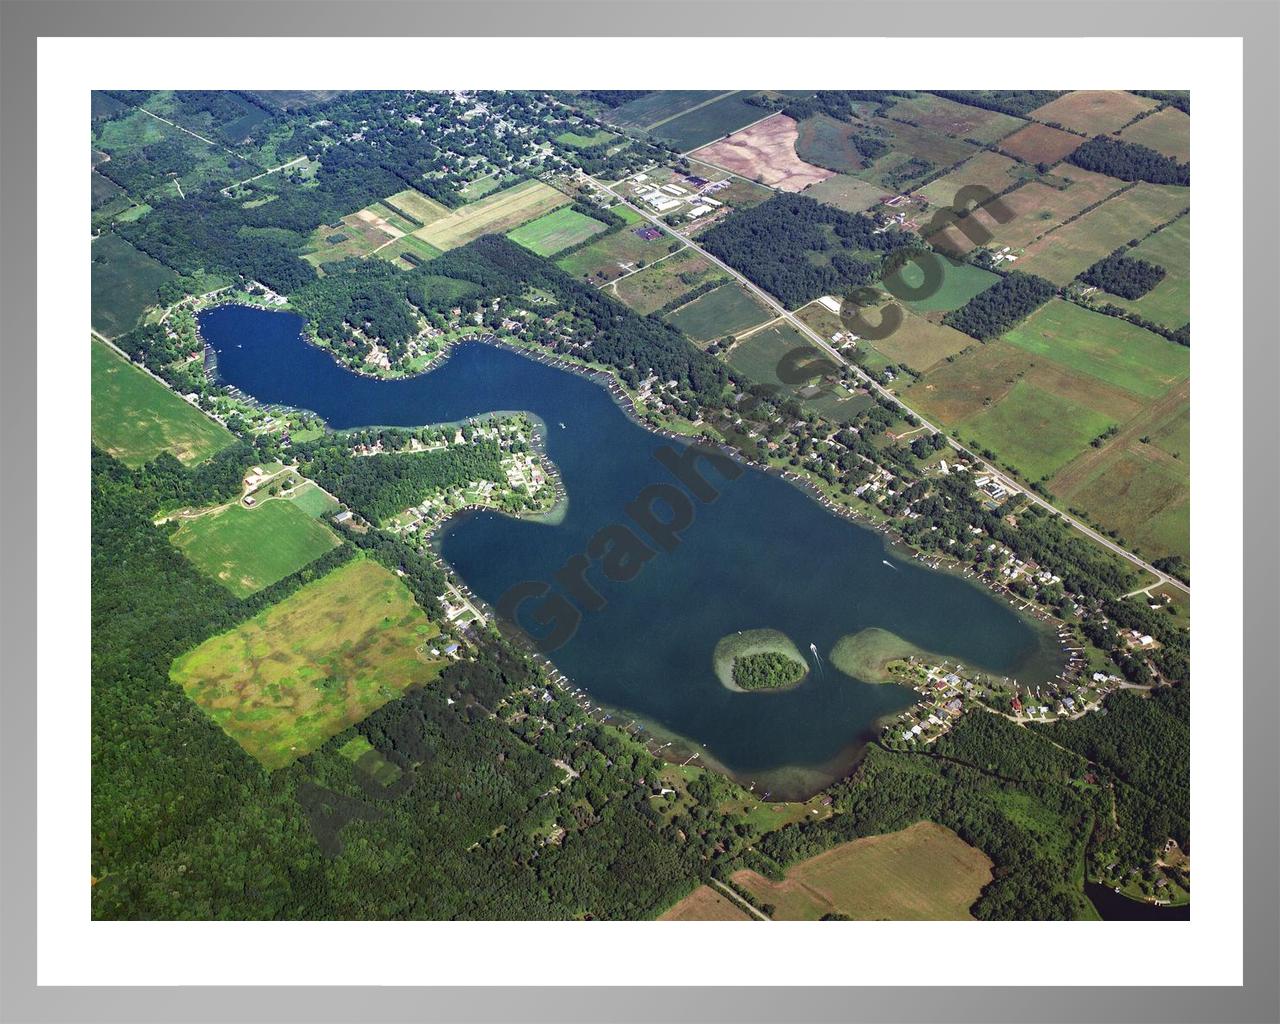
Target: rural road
808, 332
739, 900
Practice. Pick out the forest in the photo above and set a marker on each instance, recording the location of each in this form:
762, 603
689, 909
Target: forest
1129, 161
798, 249
1018, 102
1004, 305
1122, 275
358, 301
381, 486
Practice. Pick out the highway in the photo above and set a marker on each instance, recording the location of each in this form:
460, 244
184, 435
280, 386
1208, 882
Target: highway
808, 332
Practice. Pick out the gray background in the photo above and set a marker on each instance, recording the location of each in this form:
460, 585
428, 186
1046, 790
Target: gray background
1258, 1000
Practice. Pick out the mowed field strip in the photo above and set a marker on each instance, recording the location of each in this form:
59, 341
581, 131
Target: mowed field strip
246, 549
497, 213
321, 660
923, 873
134, 417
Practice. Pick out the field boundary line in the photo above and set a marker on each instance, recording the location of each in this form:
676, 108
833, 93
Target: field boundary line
688, 110
740, 901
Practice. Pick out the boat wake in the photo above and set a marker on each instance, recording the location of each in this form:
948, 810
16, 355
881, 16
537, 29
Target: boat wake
889, 564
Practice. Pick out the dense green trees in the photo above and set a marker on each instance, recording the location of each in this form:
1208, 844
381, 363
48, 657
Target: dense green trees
1018, 102
380, 486
1122, 275
358, 301
1130, 162
797, 249
766, 670
1005, 304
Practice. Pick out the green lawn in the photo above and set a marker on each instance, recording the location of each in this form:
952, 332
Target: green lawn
246, 549
1035, 430
1104, 347
135, 417
555, 232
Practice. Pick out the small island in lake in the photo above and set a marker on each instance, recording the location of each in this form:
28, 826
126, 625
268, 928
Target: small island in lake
759, 659
872, 655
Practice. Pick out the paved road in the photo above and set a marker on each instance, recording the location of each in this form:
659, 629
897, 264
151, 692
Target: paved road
808, 332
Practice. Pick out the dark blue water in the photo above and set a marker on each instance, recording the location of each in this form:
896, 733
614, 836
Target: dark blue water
1112, 906
762, 555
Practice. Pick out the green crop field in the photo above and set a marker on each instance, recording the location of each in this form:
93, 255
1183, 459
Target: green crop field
1167, 131
407, 252
923, 873
246, 549
657, 107
960, 283
708, 122
757, 357
614, 254
313, 500
135, 417
1105, 347
124, 283
729, 309
666, 281
1169, 302
495, 213
1034, 429
318, 662
556, 231
1073, 248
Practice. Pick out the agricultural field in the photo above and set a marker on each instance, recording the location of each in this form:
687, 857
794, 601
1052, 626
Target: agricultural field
729, 309
919, 342
407, 252
556, 231
765, 152
1064, 254
1169, 302
1034, 429
845, 192
1034, 209
701, 124
663, 105
1167, 131
357, 234
987, 168
1091, 112
246, 549
1138, 482
1104, 347
960, 283
612, 255
365, 756
958, 120
494, 214
666, 281
923, 873
321, 660
913, 153
124, 283
1040, 144
134, 417
706, 904
758, 356
825, 141
419, 209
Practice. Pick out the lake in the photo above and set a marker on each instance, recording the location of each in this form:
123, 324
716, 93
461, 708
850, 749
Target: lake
762, 555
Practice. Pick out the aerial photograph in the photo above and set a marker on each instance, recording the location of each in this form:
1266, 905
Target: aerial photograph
683, 505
